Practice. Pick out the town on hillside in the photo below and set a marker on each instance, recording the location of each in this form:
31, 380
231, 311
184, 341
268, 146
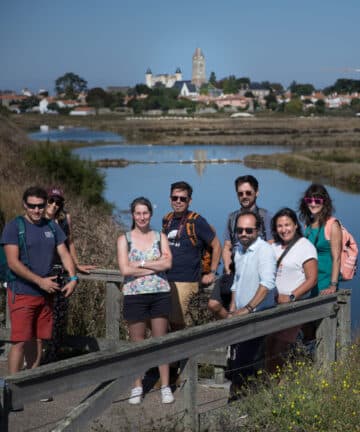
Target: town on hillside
172, 95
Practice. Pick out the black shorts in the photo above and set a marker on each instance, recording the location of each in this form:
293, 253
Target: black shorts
140, 307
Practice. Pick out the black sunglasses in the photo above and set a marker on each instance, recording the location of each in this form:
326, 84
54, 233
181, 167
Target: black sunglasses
57, 201
239, 230
247, 193
33, 206
181, 198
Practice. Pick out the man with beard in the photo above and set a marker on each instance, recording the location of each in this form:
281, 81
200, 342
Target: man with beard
252, 291
181, 226
247, 189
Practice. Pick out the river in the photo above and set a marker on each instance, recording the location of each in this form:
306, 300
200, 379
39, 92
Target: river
213, 183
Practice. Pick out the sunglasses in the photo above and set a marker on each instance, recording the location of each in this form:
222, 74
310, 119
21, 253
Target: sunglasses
177, 198
33, 206
247, 193
240, 230
310, 200
57, 201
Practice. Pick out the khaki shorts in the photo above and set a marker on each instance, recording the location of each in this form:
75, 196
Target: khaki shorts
181, 293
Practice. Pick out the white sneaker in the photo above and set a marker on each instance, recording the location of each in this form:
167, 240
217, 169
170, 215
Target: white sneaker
166, 395
136, 395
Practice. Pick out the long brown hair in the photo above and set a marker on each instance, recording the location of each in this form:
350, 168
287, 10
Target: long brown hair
316, 190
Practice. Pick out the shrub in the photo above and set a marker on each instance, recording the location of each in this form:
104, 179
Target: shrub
60, 165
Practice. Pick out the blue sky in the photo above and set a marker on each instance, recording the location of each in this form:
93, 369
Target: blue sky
113, 42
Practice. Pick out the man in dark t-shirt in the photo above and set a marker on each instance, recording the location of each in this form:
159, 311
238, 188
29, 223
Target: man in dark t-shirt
185, 274
30, 294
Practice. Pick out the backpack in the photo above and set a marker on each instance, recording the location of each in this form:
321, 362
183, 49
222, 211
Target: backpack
349, 252
232, 221
6, 275
206, 253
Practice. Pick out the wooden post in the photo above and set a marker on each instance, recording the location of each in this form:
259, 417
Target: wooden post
326, 341
4, 406
343, 324
190, 374
112, 311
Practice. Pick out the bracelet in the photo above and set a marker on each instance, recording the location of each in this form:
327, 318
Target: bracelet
249, 308
73, 278
334, 283
213, 272
142, 263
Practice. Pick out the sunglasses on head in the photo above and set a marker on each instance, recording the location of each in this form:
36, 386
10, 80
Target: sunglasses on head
247, 193
310, 200
33, 206
240, 230
56, 201
177, 198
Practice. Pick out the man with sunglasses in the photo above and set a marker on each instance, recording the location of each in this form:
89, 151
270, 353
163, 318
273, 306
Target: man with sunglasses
252, 291
185, 274
30, 293
247, 190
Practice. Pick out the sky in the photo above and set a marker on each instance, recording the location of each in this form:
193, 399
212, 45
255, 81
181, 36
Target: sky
113, 42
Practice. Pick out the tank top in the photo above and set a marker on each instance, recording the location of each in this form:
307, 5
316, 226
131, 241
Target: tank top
150, 284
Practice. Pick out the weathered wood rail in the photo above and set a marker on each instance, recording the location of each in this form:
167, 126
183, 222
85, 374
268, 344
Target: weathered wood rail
113, 370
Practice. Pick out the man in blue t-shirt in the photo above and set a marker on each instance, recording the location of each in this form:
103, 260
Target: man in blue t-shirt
185, 274
30, 294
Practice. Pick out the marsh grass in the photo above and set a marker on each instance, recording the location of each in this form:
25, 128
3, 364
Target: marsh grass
303, 398
337, 167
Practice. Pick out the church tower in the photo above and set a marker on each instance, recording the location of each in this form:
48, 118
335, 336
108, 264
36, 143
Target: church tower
198, 68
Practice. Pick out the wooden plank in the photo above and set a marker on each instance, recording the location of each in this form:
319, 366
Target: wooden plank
102, 275
112, 311
98, 367
326, 341
343, 324
191, 415
93, 406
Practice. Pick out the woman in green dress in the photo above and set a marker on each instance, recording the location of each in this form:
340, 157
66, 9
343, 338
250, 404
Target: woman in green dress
316, 209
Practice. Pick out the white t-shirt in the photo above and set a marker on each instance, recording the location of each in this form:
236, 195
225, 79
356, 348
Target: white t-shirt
290, 273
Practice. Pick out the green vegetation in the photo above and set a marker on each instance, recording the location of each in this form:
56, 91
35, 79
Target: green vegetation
59, 165
70, 85
343, 85
302, 398
339, 168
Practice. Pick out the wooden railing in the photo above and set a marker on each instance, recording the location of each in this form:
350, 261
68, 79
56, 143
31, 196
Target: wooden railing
116, 366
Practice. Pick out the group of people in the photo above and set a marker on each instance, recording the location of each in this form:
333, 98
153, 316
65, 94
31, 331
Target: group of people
267, 260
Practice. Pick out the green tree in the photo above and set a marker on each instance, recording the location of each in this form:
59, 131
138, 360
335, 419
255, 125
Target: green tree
230, 85
271, 101
142, 89
70, 85
320, 106
301, 89
98, 98
295, 106
355, 105
212, 79
28, 103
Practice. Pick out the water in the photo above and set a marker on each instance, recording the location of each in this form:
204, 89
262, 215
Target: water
214, 193
76, 134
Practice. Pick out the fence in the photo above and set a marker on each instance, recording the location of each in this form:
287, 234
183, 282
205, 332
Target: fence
114, 369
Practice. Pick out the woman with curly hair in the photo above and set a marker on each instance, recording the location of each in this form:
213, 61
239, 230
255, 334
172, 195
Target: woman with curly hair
316, 209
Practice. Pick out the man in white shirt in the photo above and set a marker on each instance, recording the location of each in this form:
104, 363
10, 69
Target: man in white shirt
252, 290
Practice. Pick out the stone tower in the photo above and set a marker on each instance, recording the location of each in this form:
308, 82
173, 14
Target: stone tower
198, 68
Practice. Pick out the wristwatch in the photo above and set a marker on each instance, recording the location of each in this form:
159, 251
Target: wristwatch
292, 297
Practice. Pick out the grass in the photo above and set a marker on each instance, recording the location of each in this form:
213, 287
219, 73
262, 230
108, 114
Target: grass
337, 167
302, 398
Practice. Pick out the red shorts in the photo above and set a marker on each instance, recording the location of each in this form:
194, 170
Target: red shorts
31, 317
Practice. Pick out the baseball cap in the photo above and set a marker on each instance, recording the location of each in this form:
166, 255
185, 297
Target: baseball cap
55, 192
